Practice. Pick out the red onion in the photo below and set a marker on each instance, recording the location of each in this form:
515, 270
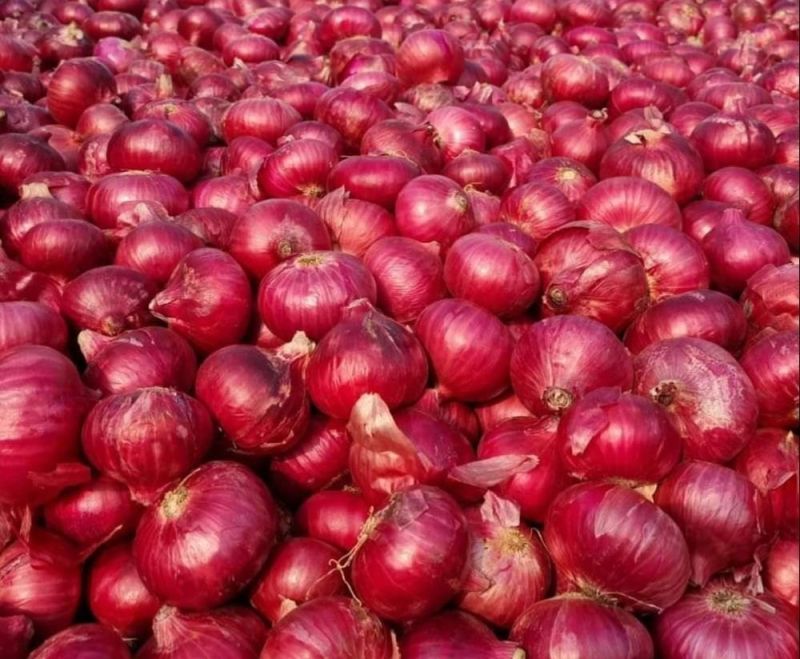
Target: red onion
233, 632
412, 558
404, 139
722, 619
16, 633
24, 322
206, 300
787, 221
732, 139
264, 118
707, 395
685, 118
44, 404
537, 208
625, 202
572, 78
299, 167
479, 171
351, 112
737, 249
578, 624
584, 140
23, 155
182, 114
561, 359
344, 22
430, 56
664, 158
770, 462
330, 627
41, 579
520, 154
335, 516
36, 205
257, 397
299, 570
611, 435
147, 438
234, 193
783, 571
212, 225
221, 507
93, 513
19, 283
83, 640
454, 413
511, 234
64, 248
354, 224
504, 407
77, 84
560, 113
155, 248
771, 364
67, 187
771, 298
117, 597
592, 528
456, 131
742, 188
377, 179
315, 462
244, 155
701, 314
786, 147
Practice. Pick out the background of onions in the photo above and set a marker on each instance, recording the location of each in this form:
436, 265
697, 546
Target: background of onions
421, 304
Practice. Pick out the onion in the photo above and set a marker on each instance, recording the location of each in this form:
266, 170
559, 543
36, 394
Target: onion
330, 627
770, 462
212, 225
433, 208
64, 248
737, 249
707, 395
455, 633
377, 179
592, 528
67, 187
31, 322
588, 269
91, 514
479, 171
23, 156
771, 298
413, 554
41, 579
299, 167
354, 224
578, 624
742, 188
561, 359
223, 508
244, 155
19, 283
537, 208
430, 56
770, 363
16, 633
456, 131
351, 112
36, 206
787, 221
298, 571
117, 597
256, 396
584, 140
521, 153
782, 570
733, 139
723, 619
492, 273
83, 640
233, 632
335, 516
264, 118
344, 22
77, 84
405, 139
572, 78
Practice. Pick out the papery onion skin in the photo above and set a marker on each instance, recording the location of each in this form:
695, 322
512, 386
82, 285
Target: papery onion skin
707, 395
329, 628
579, 624
116, 595
258, 397
23, 322
233, 632
613, 435
718, 537
592, 527
207, 299
469, 349
218, 501
412, 561
772, 298
547, 382
701, 314
299, 570
366, 352
723, 619
87, 640
335, 516
771, 363
782, 570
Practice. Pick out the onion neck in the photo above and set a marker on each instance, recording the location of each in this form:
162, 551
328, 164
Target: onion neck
727, 601
557, 399
664, 393
174, 502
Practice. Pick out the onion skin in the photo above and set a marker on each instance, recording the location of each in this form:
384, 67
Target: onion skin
23, 322
219, 499
708, 396
412, 559
116, 595
257, 397
83, 640
370, 353
329, 628
468, 368
335, 516
718, 537
783, 570
771, 298
701, 314
298, 571
232, 632
592, 527
723, 619
578, 624
772, 366
547, 382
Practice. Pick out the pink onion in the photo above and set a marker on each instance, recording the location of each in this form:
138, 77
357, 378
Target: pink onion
537, 208
36, 206
83, 640
354, 224
24, 322
771, 298
625, 202
456, 131
592, 528
742, 188
772, 366
77, 84
299, 167
335, 516
584, 141
571, 177
479, 171
733, 139
377, 179
707, 395
430, 56
573, 78
222, 507
351, 112
155, 248
264, 118
783, 570
64, 248
786, 221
